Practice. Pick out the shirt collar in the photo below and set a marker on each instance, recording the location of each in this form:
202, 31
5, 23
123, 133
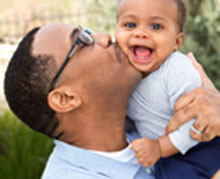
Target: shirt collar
95, 162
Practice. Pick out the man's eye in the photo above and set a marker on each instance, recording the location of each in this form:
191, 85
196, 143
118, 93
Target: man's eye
156, 26
130, 25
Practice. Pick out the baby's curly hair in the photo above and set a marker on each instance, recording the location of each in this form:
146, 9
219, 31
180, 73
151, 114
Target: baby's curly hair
181, 14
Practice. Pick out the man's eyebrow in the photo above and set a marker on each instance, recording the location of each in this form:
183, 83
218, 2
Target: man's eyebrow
73, 34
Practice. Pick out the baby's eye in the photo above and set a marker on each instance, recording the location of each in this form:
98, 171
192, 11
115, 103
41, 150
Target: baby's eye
156, 26
130, 25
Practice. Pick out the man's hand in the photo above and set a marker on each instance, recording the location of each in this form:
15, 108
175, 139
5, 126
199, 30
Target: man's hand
146, 151
202, 104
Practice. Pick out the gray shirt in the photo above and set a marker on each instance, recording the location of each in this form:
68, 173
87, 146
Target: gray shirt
151, 105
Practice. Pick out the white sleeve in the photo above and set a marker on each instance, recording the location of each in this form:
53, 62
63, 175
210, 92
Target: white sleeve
181, 77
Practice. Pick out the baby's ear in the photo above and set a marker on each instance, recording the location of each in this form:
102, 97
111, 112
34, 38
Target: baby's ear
63, 101
179, 40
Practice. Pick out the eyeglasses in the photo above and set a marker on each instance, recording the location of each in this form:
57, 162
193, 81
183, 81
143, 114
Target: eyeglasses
84, 37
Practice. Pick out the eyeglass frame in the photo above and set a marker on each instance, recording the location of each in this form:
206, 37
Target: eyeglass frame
86, 42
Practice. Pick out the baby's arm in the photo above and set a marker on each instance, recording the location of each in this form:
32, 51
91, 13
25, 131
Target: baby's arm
179, 77
148, 151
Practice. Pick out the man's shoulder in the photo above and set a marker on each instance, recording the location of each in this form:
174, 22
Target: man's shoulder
67, 161
70, 173
61, 163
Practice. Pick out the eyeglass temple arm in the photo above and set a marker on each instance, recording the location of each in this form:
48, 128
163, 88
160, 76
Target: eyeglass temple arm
72, 50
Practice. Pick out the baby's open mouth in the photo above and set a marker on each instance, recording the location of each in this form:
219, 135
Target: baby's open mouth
141, 54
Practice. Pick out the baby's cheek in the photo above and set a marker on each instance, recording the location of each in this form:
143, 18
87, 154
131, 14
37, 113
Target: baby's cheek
122, 40
122, 45
125, 50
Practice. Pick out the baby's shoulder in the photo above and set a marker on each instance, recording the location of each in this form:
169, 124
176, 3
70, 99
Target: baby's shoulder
178, 59
178, 70
178, 64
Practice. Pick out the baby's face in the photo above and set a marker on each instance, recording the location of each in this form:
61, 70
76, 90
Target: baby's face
148, 32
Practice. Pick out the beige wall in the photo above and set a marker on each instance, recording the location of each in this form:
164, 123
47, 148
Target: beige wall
6, 51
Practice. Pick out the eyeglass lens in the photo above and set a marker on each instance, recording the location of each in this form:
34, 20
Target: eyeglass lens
85, 37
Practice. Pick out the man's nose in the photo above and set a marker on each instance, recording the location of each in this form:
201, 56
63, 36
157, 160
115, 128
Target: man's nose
103, 39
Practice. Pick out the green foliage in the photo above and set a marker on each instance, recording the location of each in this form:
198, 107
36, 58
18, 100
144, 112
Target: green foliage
202, 32
101, 15
23, 152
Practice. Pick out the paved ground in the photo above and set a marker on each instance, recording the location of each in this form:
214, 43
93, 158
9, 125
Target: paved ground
6, 51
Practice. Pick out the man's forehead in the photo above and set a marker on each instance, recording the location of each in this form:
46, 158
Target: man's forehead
51, 38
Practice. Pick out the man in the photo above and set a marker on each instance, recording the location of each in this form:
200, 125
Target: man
81, 103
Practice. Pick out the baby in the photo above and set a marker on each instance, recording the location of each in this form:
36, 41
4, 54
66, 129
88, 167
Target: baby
150, 32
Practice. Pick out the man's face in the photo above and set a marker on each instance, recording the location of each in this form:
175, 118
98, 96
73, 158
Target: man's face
99, 68
148, 31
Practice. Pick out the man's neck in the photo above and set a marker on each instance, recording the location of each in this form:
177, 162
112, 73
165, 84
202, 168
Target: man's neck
101, 132
106, 140
99, 124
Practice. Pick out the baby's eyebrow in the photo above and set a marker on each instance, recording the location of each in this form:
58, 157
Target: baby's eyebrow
159, 18
128, 16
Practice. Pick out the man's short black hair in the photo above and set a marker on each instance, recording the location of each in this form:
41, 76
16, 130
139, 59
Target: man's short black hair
26, 87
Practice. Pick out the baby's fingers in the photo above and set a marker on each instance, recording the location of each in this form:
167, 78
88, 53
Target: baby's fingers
135, 145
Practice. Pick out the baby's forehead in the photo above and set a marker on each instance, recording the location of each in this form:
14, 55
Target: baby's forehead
148, 8
131, 4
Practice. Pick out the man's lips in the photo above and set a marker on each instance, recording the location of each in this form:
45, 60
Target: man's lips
141, 54
120, 56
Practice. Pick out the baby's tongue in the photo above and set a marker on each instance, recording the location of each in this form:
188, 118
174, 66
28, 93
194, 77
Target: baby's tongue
142, 51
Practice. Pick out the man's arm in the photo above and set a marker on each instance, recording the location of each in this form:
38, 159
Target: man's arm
202, 104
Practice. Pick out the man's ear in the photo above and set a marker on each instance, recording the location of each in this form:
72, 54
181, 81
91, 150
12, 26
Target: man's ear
179, 40
63, 101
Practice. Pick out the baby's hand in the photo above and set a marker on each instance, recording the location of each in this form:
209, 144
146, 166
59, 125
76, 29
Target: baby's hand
146, 151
